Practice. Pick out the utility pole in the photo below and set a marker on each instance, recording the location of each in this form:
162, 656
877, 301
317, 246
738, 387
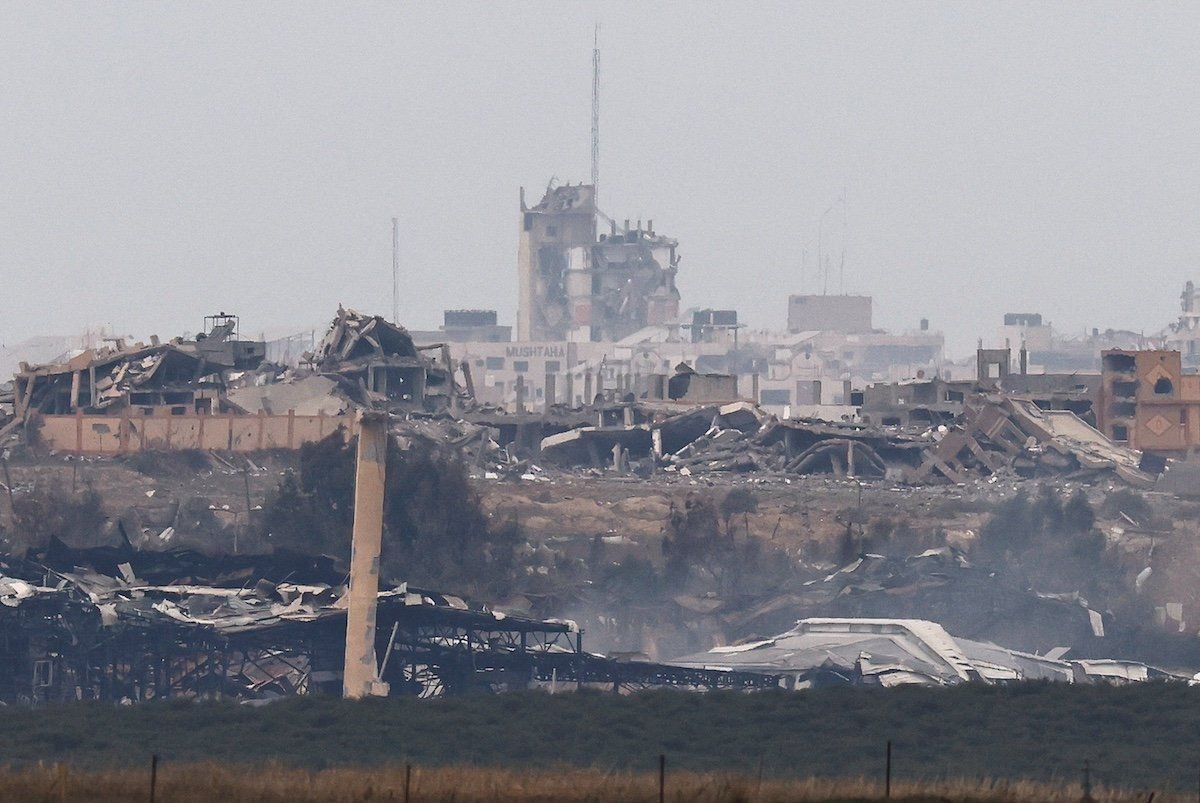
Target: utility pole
396, 271
596, 117
360, 677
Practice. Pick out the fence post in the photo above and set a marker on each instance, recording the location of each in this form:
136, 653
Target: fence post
153, 775
407, 780
662, 777
887, 773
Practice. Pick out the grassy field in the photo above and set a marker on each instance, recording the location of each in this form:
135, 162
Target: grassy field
194, 783
1140, 737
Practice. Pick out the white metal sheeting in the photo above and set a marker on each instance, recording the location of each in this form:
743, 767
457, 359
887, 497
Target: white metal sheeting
892, 652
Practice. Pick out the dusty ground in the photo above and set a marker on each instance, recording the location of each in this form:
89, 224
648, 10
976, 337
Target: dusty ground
791, 512
794, 514
209, 502
152, 492
193, 493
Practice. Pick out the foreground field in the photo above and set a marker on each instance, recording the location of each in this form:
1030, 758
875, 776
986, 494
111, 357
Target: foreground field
206, 782
1140, 737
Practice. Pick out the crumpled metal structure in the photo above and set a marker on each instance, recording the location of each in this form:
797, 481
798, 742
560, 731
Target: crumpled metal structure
894, 652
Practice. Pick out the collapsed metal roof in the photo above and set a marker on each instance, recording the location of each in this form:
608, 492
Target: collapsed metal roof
893, 652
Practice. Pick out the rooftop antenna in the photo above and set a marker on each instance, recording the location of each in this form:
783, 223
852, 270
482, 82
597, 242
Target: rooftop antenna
842, 267
396, 271
596, 116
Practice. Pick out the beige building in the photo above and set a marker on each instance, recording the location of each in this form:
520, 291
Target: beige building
829, 313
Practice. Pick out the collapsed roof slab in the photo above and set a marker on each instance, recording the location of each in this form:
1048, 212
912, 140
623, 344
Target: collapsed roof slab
310, 395
589, 445
677, 431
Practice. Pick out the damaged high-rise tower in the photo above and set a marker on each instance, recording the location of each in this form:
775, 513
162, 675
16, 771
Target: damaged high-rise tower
578, 287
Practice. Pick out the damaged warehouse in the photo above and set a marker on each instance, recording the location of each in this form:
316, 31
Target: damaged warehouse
896, 652
124, 625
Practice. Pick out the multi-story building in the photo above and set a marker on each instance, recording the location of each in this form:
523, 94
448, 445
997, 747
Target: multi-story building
1148, 402
574, 286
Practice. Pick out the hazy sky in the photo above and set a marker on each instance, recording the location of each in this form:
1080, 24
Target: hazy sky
160, 161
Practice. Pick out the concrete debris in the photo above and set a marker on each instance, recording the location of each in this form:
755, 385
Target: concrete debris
590, 445
303, 395
1001, 434
377, 365
997, 436
183, 376
894, 652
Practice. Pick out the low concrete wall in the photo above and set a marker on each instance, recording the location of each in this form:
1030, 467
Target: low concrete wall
99, 434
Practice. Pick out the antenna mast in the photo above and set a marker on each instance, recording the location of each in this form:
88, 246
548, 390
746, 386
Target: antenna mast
596, 116
396, 271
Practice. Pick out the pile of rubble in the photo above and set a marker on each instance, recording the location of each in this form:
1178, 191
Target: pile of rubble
997, 435
376, 364
7, 409
362, 362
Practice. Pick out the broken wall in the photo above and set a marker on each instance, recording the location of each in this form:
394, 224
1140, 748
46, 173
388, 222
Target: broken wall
98, 434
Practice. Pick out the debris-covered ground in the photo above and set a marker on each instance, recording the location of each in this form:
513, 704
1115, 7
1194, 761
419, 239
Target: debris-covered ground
675, 563
663, 524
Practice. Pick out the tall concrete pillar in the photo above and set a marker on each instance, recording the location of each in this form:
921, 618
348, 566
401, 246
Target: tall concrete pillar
570, 389
550, 390
360, 677
587, 387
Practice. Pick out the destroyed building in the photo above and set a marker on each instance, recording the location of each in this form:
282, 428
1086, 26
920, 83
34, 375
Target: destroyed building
120, 625
991, 435
575, 286
895, 652
924, 402
377, 363
174, 378
216, 393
